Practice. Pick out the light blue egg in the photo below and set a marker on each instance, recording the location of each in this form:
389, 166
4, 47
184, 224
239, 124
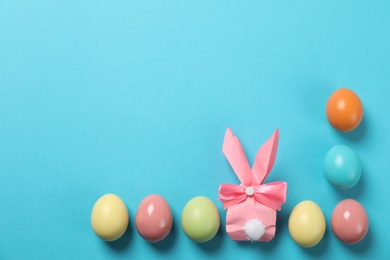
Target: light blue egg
342, 167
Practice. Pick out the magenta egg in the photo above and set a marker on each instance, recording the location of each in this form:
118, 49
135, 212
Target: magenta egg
153, 219
349, 221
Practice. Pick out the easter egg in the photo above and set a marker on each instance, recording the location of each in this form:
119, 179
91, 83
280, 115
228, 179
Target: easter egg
342, 167
153, 219
344, 110
349, 221
109, 217
200, 219
307, 224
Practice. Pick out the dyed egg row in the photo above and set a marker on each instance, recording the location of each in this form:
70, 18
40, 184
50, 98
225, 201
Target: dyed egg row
344, 111
307, 223
200, 220
153, 220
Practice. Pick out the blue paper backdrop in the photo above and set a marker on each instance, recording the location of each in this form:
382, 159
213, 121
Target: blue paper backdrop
133, 98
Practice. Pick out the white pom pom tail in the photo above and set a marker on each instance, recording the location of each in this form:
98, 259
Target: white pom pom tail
254, 229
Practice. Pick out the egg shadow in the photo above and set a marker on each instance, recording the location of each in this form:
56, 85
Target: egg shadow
361, 247
356, 135
212, 246
167, 243
122, 244
319, 249
355, 191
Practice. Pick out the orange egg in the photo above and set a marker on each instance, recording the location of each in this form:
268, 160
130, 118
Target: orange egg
344, 110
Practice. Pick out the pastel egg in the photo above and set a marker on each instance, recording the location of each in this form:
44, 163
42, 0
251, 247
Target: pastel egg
200, 219
342, 167
349, 221
344, 110
109, 217
153, 219
307, 224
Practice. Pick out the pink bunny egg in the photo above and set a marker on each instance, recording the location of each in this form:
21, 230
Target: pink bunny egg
251, 206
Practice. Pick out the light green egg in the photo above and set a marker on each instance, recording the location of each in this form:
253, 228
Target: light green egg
200, 219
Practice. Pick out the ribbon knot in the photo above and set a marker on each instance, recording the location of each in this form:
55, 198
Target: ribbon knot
271, 194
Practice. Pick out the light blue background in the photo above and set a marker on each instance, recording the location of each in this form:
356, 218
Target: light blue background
133, 98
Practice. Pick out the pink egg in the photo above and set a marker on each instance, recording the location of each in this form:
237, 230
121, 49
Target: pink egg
153, 219
349, 221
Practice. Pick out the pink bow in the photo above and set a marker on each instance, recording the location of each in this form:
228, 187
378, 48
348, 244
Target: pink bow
271, 194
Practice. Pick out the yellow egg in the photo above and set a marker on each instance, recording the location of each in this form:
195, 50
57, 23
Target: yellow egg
307, 224
109, 217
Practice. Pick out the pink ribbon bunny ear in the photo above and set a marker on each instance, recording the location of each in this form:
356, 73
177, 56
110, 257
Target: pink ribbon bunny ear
265, 159
235, 154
